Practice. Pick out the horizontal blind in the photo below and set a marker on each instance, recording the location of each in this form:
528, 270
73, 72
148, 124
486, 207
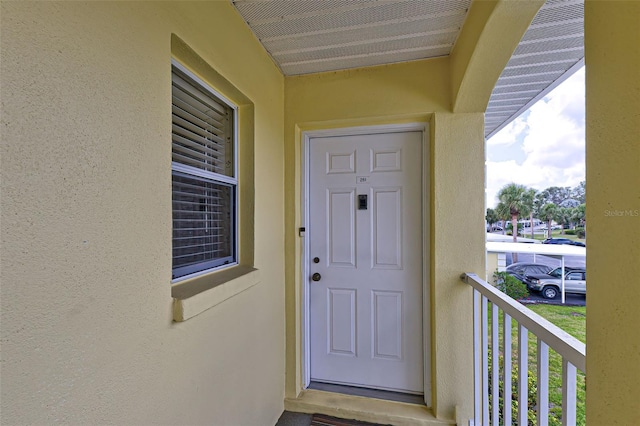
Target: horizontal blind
202, 128
204, 202
202, 223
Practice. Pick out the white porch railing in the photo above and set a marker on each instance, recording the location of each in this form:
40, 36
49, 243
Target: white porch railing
548, 336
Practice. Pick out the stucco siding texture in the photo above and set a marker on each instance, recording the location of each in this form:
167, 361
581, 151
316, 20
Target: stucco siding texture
87, 331
612, 58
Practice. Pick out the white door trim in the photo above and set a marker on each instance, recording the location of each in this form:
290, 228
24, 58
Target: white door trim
304, 267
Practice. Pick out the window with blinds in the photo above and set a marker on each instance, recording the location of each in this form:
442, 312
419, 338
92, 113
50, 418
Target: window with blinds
203, 176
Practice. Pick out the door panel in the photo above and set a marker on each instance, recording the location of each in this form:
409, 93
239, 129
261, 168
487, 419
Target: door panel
574, 282
387, 323
341, 242
341, 315
386, 241
365, 225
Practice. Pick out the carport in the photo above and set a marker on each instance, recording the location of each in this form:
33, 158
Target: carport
552, 250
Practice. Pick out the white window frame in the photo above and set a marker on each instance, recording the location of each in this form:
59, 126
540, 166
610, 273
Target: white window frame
214, 177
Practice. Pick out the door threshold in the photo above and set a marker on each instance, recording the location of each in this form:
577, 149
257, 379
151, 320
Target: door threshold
368, 392
364, 409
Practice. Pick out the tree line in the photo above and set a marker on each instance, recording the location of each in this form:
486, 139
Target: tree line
564, 205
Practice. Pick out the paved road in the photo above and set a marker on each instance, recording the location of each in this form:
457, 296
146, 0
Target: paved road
570, 299
571, 261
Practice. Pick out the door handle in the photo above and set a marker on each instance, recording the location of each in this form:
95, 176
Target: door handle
316, 277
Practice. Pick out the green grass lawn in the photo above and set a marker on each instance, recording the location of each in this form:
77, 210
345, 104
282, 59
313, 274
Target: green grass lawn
571, 319
555, 234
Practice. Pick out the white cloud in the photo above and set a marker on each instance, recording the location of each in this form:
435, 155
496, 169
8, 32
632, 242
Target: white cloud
507, 136
552, 137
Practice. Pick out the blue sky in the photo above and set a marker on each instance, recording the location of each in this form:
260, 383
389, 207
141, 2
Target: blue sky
544, 146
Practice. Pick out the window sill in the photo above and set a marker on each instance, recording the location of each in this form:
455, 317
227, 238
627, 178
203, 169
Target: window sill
195, 296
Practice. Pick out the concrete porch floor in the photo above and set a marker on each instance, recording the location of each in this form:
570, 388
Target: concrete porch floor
364, 409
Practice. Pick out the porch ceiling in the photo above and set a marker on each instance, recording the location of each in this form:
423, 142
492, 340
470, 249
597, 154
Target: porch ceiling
550, 51
311, 36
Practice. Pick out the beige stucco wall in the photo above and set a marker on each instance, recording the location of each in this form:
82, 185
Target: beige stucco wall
456, 192
87, 335
86, 326
612, 57
409, 92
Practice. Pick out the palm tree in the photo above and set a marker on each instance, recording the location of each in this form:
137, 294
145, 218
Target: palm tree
563, 216
491, 218
547, 213
579, 216
530, 199
503, 215
518, 200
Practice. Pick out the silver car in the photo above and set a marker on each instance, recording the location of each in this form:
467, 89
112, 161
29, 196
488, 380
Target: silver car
575, 281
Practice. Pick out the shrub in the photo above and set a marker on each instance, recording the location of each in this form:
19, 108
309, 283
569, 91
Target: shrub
570, 231
510, 228
580, 232
510, 285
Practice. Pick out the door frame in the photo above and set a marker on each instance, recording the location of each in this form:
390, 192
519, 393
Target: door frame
426, 244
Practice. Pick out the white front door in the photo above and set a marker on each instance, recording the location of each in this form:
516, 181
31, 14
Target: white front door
365, 230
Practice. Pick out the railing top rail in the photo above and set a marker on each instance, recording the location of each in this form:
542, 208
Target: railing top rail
559, 340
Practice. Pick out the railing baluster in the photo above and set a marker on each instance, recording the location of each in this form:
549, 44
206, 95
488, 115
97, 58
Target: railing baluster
523, 374
543, 383
568, 393
477, 356
549, 336
485, 363
495, 367
506, 335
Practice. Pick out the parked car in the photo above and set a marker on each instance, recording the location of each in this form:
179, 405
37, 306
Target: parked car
521, 269
563, 241
575, 281
557, 241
